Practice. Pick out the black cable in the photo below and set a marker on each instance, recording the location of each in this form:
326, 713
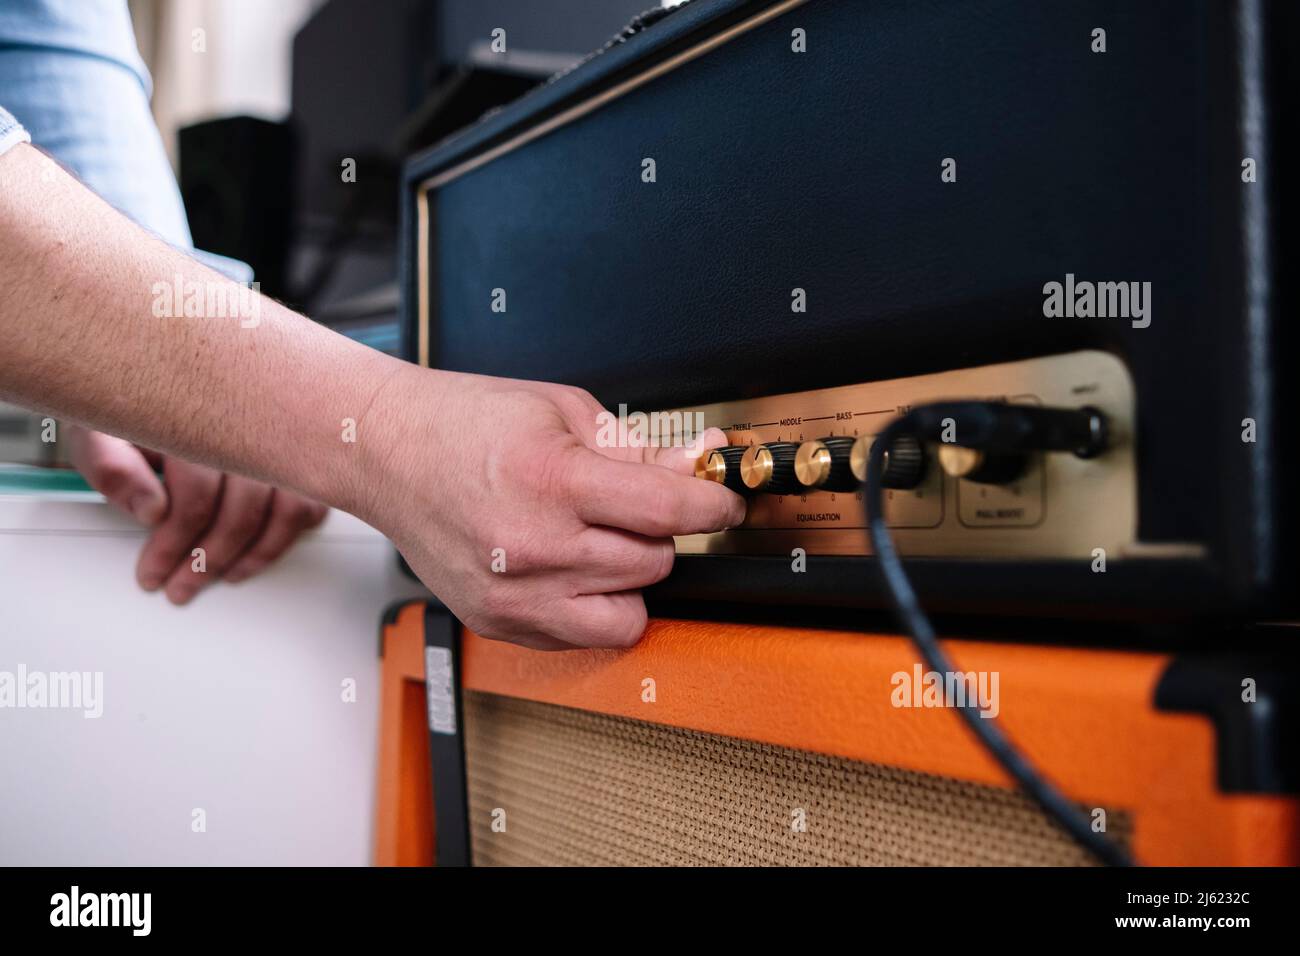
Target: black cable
998, 427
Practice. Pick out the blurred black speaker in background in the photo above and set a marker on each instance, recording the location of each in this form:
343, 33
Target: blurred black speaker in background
236, 182
312, 204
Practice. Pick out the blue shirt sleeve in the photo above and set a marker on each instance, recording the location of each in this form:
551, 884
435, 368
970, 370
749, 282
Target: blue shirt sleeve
71, 74
11, 132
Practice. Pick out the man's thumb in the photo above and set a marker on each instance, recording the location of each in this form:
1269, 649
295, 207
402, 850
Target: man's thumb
118, 470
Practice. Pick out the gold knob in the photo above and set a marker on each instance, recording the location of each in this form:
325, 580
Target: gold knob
756, 467
712, 466
824, 463
859, 455
723, 466
812, 463
958, 461
989, 468
769, 468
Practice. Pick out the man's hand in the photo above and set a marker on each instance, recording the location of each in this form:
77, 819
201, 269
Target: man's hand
242, 525
501, 501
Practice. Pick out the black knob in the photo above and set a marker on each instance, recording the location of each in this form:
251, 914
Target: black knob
770, 468
825, 463
723, 466
904, 461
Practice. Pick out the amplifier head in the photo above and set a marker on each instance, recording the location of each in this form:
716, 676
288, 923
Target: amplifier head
779, 212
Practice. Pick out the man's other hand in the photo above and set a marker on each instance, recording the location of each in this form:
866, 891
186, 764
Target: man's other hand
241, 525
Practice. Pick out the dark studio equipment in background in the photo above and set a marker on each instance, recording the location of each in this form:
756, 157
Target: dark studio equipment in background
372, 83
236, 179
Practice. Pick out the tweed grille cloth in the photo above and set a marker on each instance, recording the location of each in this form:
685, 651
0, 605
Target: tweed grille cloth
579, 788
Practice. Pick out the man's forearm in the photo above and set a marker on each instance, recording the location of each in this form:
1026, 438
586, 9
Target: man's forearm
107, 326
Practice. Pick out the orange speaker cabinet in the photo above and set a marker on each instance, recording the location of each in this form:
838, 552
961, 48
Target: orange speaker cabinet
404, 833
721, 743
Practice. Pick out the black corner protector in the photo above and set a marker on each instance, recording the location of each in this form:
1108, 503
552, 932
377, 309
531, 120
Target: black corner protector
446, 716
389, 617
1255, 740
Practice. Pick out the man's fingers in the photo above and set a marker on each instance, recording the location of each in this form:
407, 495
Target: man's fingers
608, 559
239, 520
193, 494
601, 620
648, 499
120, 472
290, 516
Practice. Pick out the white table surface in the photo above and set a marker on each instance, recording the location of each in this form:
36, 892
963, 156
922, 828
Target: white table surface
233, 705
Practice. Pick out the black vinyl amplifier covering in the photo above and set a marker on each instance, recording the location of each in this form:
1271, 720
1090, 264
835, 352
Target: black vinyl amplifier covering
821, 170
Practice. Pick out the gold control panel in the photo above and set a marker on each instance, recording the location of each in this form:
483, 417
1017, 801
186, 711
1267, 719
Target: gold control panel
1056, 505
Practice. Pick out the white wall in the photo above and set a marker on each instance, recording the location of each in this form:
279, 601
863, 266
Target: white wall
233, 704
244, 67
